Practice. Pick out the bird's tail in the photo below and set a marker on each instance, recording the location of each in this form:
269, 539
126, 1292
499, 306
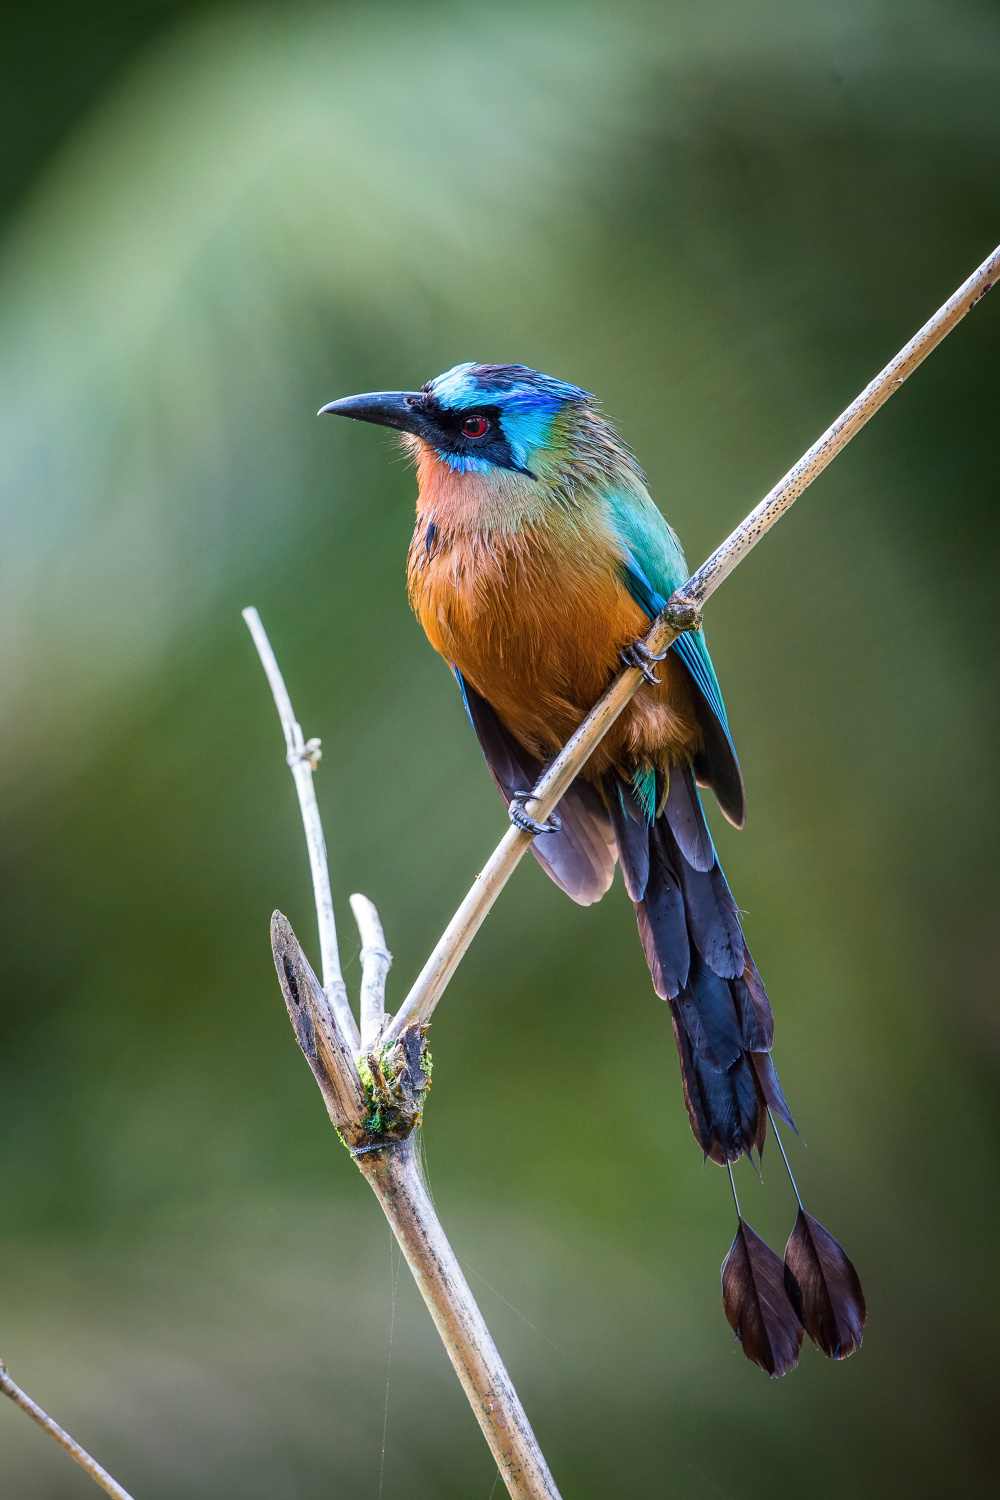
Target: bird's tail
700, 964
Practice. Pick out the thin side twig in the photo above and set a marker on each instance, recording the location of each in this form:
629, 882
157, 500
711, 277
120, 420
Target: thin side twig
680, 614
303, 756
376, 961
98, 1474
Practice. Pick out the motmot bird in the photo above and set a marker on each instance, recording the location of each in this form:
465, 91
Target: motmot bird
538, 562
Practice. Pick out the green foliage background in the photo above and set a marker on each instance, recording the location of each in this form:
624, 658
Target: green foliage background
722, 218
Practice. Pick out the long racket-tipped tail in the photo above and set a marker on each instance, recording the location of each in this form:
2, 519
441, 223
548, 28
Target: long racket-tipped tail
700, 963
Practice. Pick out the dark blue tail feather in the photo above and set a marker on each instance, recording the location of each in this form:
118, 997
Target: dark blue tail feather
694, 945
688, 923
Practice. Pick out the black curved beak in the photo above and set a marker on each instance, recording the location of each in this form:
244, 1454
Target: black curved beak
400, 409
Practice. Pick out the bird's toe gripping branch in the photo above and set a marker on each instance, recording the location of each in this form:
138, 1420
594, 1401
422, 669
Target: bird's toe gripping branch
638, 655
527, 824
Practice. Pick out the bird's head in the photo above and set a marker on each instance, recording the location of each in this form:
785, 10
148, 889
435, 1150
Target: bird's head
480, 418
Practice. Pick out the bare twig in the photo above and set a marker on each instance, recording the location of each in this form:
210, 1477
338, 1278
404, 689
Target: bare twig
680, 614
376, 1118
376, 961
303, 757
391, 1166
20, 1398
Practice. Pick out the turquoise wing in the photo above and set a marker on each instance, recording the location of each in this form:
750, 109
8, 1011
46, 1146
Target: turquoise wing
653, 566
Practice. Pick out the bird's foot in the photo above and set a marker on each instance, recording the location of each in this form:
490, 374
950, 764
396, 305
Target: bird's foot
527, 824
639, 656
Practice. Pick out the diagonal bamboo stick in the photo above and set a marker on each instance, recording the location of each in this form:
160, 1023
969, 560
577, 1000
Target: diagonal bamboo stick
680, 614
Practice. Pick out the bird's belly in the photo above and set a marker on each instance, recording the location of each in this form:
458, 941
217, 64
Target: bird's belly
537, 627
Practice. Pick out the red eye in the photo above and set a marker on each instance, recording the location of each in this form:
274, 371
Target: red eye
475, 426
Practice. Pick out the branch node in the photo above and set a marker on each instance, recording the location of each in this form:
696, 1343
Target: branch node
395, 1077
682, 614
311, 752
384, 1145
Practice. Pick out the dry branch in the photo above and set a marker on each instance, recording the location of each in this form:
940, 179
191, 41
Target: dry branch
99, 1475
303, 756
389, 1162
375, 1104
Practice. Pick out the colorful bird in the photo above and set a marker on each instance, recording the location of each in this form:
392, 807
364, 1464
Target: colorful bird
537, 565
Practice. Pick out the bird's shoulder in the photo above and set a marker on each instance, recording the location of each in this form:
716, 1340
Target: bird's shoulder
649, 544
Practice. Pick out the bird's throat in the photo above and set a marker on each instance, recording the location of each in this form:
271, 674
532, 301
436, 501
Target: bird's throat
500, 500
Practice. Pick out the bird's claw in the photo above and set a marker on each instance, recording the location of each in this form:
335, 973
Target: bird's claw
527, 824
639, 656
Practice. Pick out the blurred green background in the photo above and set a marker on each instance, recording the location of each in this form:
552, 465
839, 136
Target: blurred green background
722, 218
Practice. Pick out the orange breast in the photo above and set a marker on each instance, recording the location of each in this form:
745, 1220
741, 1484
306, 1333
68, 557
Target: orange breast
535, 620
